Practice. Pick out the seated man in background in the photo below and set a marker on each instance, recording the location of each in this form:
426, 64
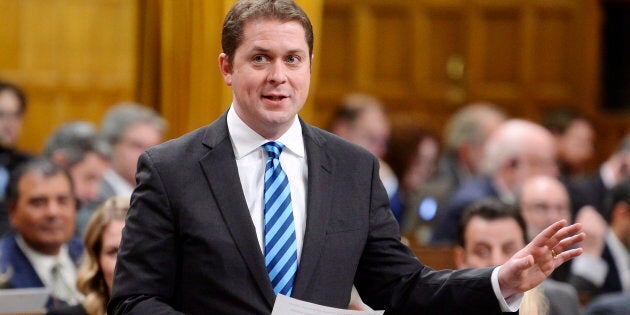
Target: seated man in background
490, 233
12, 109
544, 200
592, 190
75, 147
42, 251
517, 150
361, 119
575, 136
128, 129
604, 267
465, 135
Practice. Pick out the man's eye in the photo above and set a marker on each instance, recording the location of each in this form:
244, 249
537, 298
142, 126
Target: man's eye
293, 59
37, 202
259, 58
482, 252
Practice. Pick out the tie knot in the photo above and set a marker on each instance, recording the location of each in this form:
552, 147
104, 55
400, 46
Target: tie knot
273, 149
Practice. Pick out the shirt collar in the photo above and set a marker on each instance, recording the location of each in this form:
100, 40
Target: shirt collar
39, 260
245, 140
118, 184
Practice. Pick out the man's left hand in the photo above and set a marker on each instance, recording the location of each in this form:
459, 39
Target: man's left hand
534, 263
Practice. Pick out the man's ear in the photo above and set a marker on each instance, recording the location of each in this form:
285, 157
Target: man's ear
226, 69
459, 256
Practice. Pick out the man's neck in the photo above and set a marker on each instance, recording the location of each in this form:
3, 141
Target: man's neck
41, 250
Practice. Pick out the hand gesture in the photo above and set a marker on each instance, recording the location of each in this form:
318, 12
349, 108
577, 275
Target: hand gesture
535, 262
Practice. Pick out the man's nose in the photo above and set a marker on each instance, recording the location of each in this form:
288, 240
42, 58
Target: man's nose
277, 73
53, 208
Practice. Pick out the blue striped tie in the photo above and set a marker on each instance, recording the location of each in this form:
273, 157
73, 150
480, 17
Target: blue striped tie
280, 243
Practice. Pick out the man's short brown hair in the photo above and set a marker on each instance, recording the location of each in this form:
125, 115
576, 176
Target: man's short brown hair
249, 10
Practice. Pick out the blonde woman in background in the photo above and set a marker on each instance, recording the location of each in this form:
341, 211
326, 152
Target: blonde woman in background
96, 273
534, 303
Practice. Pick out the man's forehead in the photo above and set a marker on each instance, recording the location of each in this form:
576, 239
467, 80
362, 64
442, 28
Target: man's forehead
481, 224
37, 177
258, 26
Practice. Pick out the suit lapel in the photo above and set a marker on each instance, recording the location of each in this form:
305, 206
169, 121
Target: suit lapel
221, 172
320, 170
24, 274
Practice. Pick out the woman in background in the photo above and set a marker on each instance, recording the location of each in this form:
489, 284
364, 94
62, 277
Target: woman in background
96, 273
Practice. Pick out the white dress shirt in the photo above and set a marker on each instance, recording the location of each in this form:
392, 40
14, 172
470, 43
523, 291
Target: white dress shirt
43, 265
595, 268
120, 186
251, 159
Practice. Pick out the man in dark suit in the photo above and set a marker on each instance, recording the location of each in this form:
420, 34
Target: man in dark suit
592, 190
42, 252
605, 266
200, 234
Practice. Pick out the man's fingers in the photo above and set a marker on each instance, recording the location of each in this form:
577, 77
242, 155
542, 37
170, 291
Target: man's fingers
567, 255
555, 233
548, 233
568, 242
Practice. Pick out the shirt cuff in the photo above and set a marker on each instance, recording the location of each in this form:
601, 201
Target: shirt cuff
510, 303
591, 268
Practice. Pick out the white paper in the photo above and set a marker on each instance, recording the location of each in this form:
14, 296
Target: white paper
289, 306
31, 300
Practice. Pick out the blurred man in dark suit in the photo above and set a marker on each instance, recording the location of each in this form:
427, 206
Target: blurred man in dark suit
42, 252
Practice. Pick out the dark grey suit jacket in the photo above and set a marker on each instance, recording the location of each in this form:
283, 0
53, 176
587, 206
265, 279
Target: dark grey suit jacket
190, 246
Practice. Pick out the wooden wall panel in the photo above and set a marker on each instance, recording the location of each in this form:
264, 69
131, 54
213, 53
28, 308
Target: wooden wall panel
338, 61
73, 58
447, 40
9, 35
500, 46
390, 53
427, 58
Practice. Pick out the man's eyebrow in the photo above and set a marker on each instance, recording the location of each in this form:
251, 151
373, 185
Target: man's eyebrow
258, 49
297, 51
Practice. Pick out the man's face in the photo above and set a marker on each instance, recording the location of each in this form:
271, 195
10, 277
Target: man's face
270, 75
371, 131
489, 242
544, 201
576, 144
136, 139
10, 119
87, 176
423, 165
44, 212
